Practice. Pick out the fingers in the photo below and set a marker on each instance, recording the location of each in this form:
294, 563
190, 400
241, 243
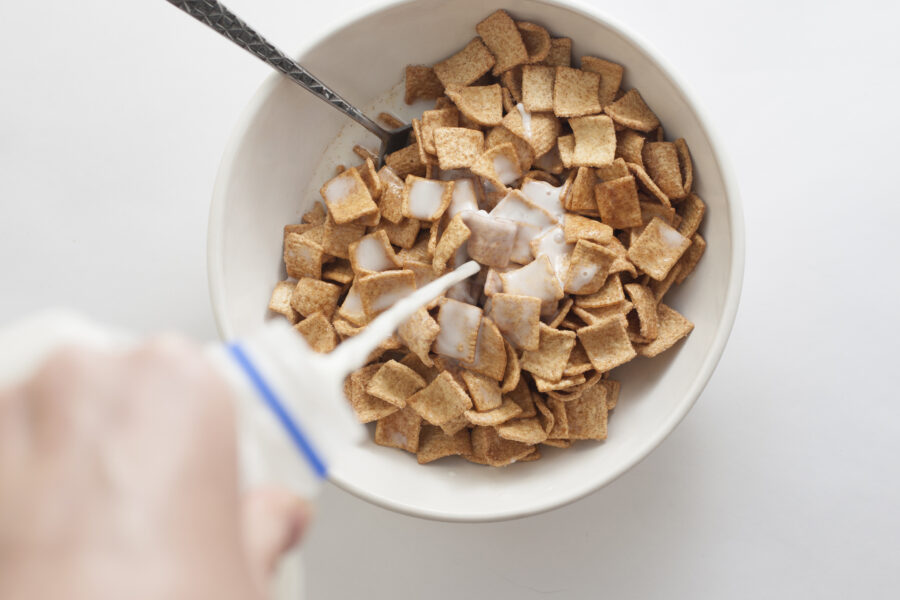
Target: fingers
274, 522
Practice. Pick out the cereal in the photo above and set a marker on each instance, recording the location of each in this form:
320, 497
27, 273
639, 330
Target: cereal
395, 383
352, 309
459, 323
561, 313
657, 249
426, 199
580, 196
565, 383
502, 37
402, 234
457, 147
672, 327
280, 301
482, 104
490, 352
302, 257
315, 215
379, 291
318, 332
501, 135
550, 358
588, 268
540, 130
537, 88
662, 164
692, 211
606, 343
592, 316
312, 295
466, 66
336, 239
491, 418
442, 401
499, 164
690, 258
537, 279
492, 238
527, 431
518, 318
368, 408
610, 76
348, 198
648, 183
566, 148
433, 120
586, 416
422, 84
686, 164
391, 202
406, 161
513, 372
595, 141
610, 294
560, 54
435, 444
631, 111
617, 169
418, 333
576, 93
455, 235
484, 391
536, 40
576, 227
400, 429
617, 202
645, 306
372, 253
489, 448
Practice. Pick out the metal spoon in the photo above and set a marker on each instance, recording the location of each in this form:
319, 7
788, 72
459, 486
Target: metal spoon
223, 21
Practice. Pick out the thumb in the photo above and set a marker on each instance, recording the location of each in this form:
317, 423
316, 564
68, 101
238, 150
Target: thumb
274, 521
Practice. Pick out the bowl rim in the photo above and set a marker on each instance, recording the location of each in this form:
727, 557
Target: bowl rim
215, 273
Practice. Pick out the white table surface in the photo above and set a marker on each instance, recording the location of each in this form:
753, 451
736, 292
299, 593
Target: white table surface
783, 480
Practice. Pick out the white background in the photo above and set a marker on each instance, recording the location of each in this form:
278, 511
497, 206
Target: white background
783, 480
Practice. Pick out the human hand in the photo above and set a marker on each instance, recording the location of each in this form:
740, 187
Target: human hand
118, 479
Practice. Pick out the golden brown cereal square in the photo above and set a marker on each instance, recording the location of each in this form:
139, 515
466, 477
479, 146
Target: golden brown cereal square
455, 235
617, 169
550, 358
560, 429
399, 430
536, 40
482, 104
661, 163
379, 291
527, 431
280, 301
617, 201
352, 309
592, 316
491, 418
459, 323
631, 111
560, 54
435, 444
422, 84
370, 177
315, 215
645, 306
489, 448
347, 197
561, 313
606, 343
368, 408
661, 288
692, 211
391, 202
576, 227
302, 257
442, 401
490, 352
312, 295
567, 382
501, 135
644, 178
630, 146
566, 148
587, 415
541, 133
492, 240
687, 165
518, 318
649, 210
372, 253
672, 327
580, 194
318, 332
512, 373
657, 249
588, 268
395, 383
484, 391
402, 234
576, 93
523, 396
579, 362
426, 199
499, 165
610, 76
435, 119
406, 161
338, 271
418, 333
544, 415
466, 66
537, 88
337, 238
457, 147
691, 257
595, 141
390, 121
501, 35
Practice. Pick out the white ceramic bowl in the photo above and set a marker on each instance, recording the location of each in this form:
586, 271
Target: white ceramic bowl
266, 169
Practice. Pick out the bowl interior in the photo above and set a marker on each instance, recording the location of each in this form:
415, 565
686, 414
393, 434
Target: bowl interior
261, 187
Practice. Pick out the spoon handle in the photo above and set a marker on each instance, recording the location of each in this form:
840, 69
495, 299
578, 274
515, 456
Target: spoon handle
223, 21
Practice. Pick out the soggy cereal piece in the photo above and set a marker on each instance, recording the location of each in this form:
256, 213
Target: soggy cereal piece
537, 278
576, 227
550, 358
610, 76
312, 295
490, 352
692, 211
482, 104
691, 257
435, 444
501, 135
380, 291
645, 305
406, 161
465, 196
501, 35
499, 165
536, 40
686, 164
441, 401
466, 66
302, 257
457, 147
661, 163
617, 169
631, 111
433, 120
552, 244
426, 199
399, 430
418, 333
540, 130
348, 198
280, 301
394, 383
315, 215
544, 195
318, 332
587, 415
422, 84
595, 141
657, 249
484, 391
490, 449
455, 235
560, 54
336, 239
518, 318
606, 343
617, 202
352, 309
672, 327
513, 371
402, 234
588, 268
630, 147
459, 323
576, 93
368, 408
492, 238
580, 195
537, 88
391, 202
641, 175
506, 411
373, 253
566, 148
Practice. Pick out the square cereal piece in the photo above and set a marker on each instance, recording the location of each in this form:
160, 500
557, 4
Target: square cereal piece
536, 40
690, 258
580, 194
302, 256
661, 288
631, 111
672, 327
406, 161
442, 401
523, 396
435, 119
466, 66
298, 228
518, 318
370, 177
566, 383
490, 352
491, 418
550, 165
560, 428
544, 415
538, 278
391, 202
373, 253
566, 148
617, 202
587, 415
512, 373
459, 323
560, 54
550, 358
280, 302
423, 271
318, 332
512, 81
315, 215
455, 235
526, 431
481, 104
501, 35
484, 391
649, 210
425, 372
492, 239
424, 157
422, 84
418, 333
595, 141
617, 169
579, 363
435, 444
456, 425
426, 199
352, 309
399, 430
576, 93
588, 268
338, 271
561, 313
576, 227
348, 198
537, 88
610, 76
509, 102
394, 383
644, 303
501, 135
380, 291
402, 234
657, 249
312, 295
367, 408
337, 238
692, 211
630, 146
606, 343
542, 130
687, 165
661, 163
641, 175
610, 294
490, 449
500, 165
457, 147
